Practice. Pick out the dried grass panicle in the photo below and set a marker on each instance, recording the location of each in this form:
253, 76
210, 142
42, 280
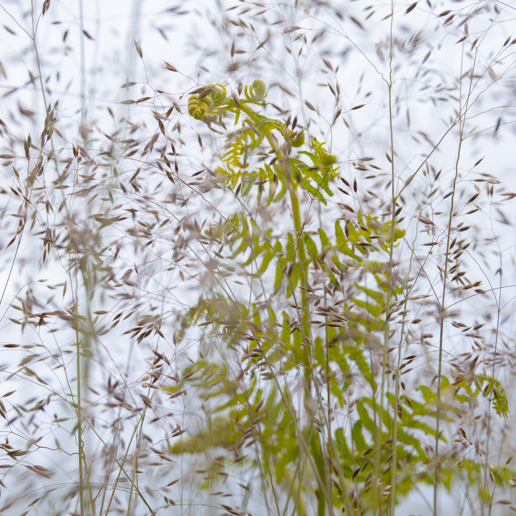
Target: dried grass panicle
274, 276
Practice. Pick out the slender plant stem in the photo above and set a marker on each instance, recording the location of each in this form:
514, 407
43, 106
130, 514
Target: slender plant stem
389, 296
442, 315
79, 422
441, 329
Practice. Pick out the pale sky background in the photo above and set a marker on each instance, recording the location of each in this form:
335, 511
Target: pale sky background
86, 70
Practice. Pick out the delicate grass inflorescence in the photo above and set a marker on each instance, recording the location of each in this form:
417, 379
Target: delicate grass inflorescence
274, 277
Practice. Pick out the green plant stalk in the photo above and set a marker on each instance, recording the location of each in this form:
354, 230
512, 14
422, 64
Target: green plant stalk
287, 400
82, 378
377, 435
499, 311
445, 280
78, 345
328, 398
392, 497
264, 449
264, 128
298, 226
79, 364
441, 329
387, 338
333, 452
122, 470
295, 491
134, 476
316, 455
79, 422
315, 445
384, 365
377, 465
